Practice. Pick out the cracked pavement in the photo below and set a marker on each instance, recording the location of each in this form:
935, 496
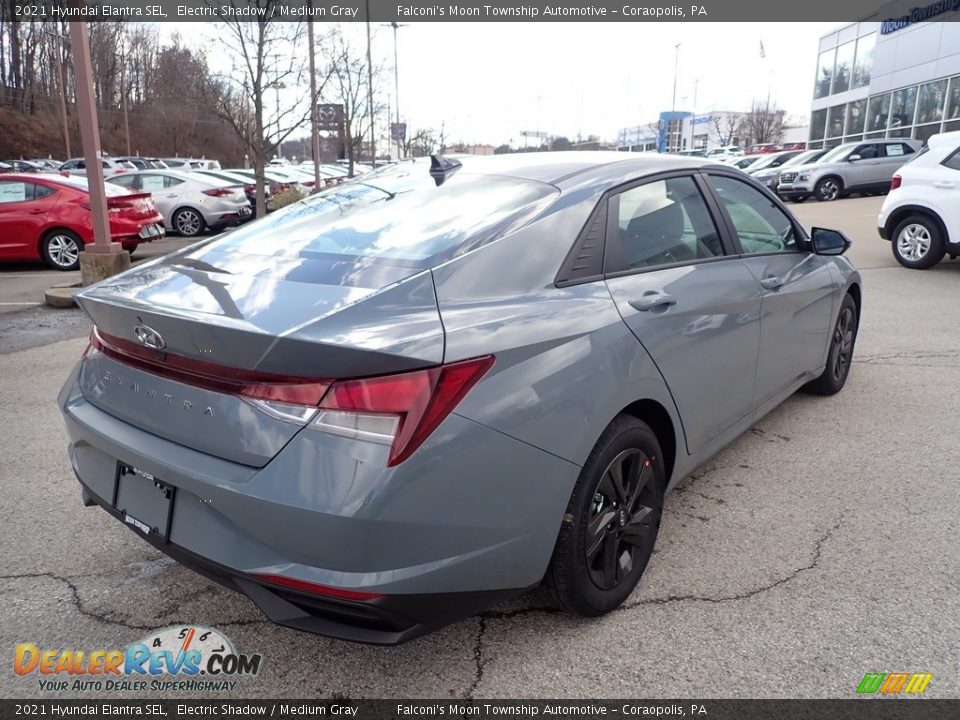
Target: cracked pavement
820, 545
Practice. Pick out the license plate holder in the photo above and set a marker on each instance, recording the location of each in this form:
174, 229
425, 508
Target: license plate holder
144, 503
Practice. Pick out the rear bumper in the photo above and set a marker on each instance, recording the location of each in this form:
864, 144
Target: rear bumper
470, 519
388, 620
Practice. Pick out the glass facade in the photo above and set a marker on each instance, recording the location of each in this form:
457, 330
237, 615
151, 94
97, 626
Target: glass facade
864, 60
918, 111
843, 67
824, 74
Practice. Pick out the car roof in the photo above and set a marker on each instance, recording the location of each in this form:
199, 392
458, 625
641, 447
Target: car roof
554, 167
943, 139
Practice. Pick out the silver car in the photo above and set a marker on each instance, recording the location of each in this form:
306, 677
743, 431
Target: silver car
190, 202
862, 167
399, 401
111, 167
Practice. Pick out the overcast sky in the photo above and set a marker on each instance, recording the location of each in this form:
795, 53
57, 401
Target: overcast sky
486, 82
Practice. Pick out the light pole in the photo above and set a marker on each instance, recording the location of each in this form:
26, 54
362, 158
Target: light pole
103, 257
63, 89
396, 81
673, 107
373, 135
314, 134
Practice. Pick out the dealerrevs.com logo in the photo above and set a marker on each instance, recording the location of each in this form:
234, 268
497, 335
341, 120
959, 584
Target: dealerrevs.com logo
186, 658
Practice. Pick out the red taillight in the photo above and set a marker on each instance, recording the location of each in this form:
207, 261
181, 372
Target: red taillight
211, 376
249, 188
417, 401
315, 589
217, 192
895, 182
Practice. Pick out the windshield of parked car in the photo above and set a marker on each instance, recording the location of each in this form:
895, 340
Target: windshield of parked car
404, 217
801, 159
838, 153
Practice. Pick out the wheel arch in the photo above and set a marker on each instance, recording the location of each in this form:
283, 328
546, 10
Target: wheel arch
658, 419
902, 213
829, 176
856, 293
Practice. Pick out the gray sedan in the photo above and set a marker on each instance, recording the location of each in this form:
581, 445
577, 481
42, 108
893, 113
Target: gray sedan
401, 400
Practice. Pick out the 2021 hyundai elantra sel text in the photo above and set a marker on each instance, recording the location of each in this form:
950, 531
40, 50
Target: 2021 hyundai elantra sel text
404, 399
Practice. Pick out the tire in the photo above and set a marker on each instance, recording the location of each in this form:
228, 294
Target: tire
842, 341
917, 242
602, 550
828, 188
61, 250
188, 222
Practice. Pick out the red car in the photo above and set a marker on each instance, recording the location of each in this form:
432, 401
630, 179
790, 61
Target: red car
48, 217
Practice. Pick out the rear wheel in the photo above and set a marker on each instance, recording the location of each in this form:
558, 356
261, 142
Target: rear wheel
844, 337
827, 189
612, 521
188, 222
917, 243
61, 249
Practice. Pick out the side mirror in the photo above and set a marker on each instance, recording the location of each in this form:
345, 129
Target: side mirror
828, 242
854, 158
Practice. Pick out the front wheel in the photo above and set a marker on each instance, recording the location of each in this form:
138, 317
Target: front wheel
612, 521
917, 243
844, 337
61, 250
827, 189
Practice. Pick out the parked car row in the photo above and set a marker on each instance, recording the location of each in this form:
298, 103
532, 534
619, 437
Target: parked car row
47, 216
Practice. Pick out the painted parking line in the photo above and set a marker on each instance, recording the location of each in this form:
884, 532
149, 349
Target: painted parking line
21, 303
37, 275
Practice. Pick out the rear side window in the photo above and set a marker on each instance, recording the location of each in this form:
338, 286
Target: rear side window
665, 222
898, 150
953, 160
11, 191
401, 216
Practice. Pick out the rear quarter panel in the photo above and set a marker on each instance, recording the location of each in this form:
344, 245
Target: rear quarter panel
566, 363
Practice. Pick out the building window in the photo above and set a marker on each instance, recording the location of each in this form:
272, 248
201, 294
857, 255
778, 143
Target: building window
900, 132
953, 98
824, 74
843, 68
864, 61
818, 121
923, 132
877, 113
835, 121
856, 115
951, 126
930, 105
903, 108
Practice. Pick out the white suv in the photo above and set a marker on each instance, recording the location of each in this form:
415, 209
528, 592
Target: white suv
921, 215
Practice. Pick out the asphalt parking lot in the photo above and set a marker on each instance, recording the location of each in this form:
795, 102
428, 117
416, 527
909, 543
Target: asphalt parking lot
821, 545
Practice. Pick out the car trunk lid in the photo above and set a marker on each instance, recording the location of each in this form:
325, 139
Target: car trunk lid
183, 339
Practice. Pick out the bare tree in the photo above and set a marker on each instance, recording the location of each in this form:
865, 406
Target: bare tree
420, 143
727, 126
349, 83
764, 124
265, 59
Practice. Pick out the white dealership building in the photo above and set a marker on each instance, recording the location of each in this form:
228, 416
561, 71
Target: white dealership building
895, 77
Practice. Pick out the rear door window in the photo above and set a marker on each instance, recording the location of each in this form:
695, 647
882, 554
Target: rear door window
401, 216
665, 222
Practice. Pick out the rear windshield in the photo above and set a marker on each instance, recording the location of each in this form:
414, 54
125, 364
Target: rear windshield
81, 184
401, 216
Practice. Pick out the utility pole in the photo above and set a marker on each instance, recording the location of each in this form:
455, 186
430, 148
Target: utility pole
673, 107
123, 95
103, 258
396, 81
314, 133
693, 120
63, 90
373, 134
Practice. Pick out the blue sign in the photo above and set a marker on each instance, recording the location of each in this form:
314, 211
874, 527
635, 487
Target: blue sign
918, 14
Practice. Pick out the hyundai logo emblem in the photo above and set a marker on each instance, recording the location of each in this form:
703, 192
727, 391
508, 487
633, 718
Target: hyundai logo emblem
149, 337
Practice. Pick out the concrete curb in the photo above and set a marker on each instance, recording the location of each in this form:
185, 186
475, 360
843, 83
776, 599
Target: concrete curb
61, 296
